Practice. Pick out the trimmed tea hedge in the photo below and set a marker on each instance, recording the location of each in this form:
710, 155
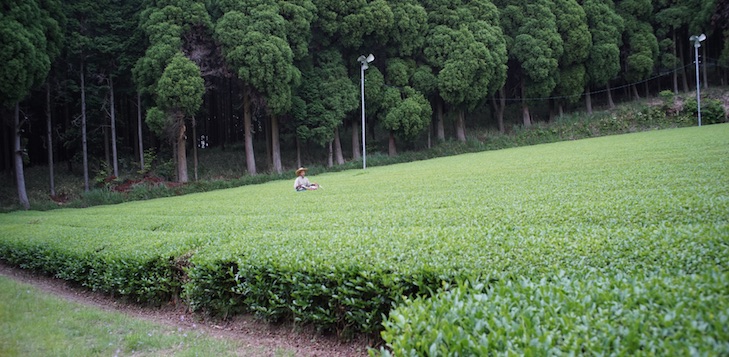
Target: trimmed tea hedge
656, 315
100, 259
645, 207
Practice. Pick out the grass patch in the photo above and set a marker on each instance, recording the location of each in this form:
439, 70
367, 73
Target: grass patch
33, 323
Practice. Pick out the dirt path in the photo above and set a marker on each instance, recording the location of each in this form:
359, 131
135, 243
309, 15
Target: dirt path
245, 329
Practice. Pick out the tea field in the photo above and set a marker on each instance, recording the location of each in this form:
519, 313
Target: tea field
610, 245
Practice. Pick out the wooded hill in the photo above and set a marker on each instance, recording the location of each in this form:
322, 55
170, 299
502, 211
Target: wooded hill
99, 83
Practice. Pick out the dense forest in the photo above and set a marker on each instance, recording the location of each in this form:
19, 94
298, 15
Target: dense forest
108, 84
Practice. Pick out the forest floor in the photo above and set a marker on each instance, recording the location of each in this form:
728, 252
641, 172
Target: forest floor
246, 330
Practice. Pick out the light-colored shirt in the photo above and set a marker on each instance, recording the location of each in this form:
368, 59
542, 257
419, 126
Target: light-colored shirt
301, 182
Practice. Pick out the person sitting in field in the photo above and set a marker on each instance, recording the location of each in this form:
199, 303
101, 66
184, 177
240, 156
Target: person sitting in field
302, 183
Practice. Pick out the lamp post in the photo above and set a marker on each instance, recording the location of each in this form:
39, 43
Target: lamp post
364, 61
697, 43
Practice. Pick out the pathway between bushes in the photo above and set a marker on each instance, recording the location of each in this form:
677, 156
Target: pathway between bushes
245, 329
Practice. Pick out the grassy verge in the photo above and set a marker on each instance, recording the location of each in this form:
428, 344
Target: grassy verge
33, 323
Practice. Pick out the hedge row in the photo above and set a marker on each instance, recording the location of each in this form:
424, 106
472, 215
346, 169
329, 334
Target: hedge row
342, 299
619, 315
646, 207
138, 272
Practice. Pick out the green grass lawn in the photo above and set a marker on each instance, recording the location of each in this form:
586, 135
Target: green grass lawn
33, 323
644, 205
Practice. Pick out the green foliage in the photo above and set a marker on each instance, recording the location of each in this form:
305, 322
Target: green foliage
572, 25
150, 155
642, 44
181, 88
712, 110
324, 97
31, 38
410, 21
668, 97
410, 116
101, 263
466, 49
157, 120
606, 27
256, 45
534, 43
617, 314
630, 236
149, 68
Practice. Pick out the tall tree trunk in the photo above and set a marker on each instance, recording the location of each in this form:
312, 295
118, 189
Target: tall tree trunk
588, 100
683, 69
675, 55
115, 161
330, 155
225, 112
194, 145
356, 153
611, 104
551, 108
107, 151
500, 106
250, 156
439, 127
139, 132
338, 147
49, 135
430, 133
634, 87
461, 127
182, 152
6, 148
19, 175
84, 144
275, 145
391, 147
175, 157
298, 152
269, 151
525, 116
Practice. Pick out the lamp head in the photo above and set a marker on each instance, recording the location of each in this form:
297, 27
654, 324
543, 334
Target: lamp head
697, 39
364, 60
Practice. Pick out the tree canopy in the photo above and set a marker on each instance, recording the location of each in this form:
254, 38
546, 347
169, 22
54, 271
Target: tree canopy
283, 75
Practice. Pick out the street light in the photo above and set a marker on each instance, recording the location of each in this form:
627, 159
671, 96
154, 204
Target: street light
697, 43
364, 60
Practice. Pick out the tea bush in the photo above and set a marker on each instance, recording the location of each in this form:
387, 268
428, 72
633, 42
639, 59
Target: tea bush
597, 315
585, 215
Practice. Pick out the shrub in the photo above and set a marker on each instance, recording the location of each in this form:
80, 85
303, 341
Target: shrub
669, 101
616, 315
712, 111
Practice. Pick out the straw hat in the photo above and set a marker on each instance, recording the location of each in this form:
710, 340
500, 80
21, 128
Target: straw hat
298, 172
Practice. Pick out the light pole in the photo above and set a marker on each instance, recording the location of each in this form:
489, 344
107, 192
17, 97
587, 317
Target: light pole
364, 61
697, 43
